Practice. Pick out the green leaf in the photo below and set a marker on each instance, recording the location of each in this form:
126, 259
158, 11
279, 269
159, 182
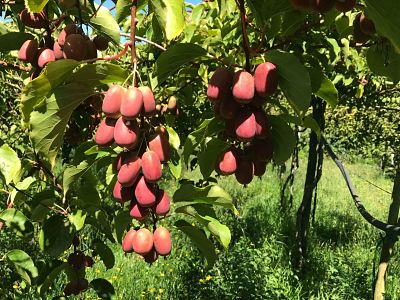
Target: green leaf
94, 74
170, 15
105, 23
123, 9
36, 90
36, 6
283, 139
209, 155
199, 239
105, 253
384, 61
121, 221
176, 56
188, 194
294, 79
77, 219
23, 264
17, 221
51, 277
13, 41
40, 205
175, 165
103, 288
174, 139
10, 165
385, 15
310, 122
323, 87
207, 128
56, 235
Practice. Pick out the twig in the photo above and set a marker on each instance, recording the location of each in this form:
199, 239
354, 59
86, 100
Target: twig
132, 38
246, 43
144, 40
7, 65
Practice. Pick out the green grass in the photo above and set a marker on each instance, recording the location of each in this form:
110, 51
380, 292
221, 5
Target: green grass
258, 263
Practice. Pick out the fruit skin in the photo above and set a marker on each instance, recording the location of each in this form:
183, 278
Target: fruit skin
151, 256
127, 246
131, 103
228, 108
322, 6
33, 20
367, 26
263, 149
105, 133
219, 85
243, 87
112, 101
76, 260
75, 47
258, 101
142, 241
149, 103
123, 194
137, 211
162, 241
159, 143
245, 125
301, 4
266, 79
101, 42
46, 56
151, 166
91, 52
67, 30
345, 6
28, 51
262, 124
358, 35
227, 163
172, 104
145, 193
259, 168
58, 52
126, 133
245, 171
129, 171
71, 288
163, 203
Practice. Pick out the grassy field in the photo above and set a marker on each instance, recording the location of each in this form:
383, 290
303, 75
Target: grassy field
257, 265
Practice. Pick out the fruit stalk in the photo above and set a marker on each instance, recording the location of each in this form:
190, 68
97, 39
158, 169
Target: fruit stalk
133, 36
246, 43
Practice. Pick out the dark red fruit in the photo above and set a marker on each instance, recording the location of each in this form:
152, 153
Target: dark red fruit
266, 79
301, 4
126, 133
245, 171
258, 101
46, 56
75, 47
359, 36
132, 103
69, 29
227, 163
58, 52
228, 108
33, 20
83, 284
262, 124
76, 260
245, 125
91, 52
345, 5
367, 26
127, 245
163, 203
149, 103
322, 6
138, 212
142, 241
259, 168
159, 143
162, 241
28, 51
151, 166
112, 101
72, 288
105, 133
263, 149
88, 261
101, 42
219, 85
145, 193
123, 194
243, 87
151, 256
129, 171
230, 129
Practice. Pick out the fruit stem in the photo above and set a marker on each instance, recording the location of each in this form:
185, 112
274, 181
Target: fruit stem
133, 36
246, 43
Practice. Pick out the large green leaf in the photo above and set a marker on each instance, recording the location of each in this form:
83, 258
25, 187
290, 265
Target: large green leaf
23, 264
105, 23
384, 61
35, 91
56, 235
188, 194
175, 57
105, 253
170, 15
77, 219
209, 155
53, 274
294, 79
385, 15
283, 139
206, 247
323, 87
95, 74
36, 5
10, 165
123, 9
103, 288
13, 40
17, 221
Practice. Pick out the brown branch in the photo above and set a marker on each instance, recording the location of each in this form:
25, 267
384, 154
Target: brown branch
132, 37
7, 65
246, 43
